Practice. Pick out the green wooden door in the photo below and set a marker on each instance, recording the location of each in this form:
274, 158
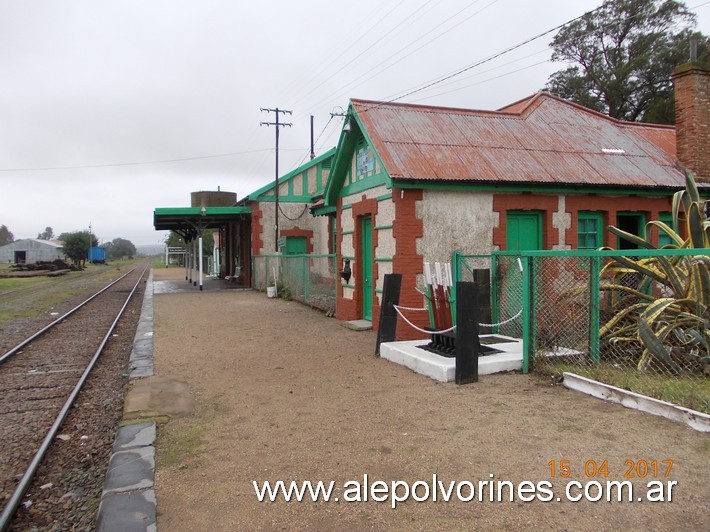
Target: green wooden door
366, 266
294, 270
295, 245
524, 230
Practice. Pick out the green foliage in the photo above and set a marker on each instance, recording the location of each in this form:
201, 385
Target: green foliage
77, 244
175, 240
6, 237
47, 234
120, 248
621, 56
283, 291
669, 331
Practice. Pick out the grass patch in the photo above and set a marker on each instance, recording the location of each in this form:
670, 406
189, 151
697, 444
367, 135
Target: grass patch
690, 392
176, 449
16, 283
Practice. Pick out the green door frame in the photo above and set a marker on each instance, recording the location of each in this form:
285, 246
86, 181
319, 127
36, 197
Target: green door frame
532, 238
366, 266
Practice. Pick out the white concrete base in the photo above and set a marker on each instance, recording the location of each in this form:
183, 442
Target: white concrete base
695, 420
443, 369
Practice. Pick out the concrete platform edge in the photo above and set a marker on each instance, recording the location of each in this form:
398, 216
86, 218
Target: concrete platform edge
128, 500
692, 418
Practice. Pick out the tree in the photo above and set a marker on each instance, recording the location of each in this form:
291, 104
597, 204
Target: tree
174, 240
120, 248
47, 234
6, 237
622, 55
77, 244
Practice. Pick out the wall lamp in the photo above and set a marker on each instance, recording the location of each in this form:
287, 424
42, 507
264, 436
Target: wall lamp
346, 273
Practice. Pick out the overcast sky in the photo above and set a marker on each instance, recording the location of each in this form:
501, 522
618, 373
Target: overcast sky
109, 109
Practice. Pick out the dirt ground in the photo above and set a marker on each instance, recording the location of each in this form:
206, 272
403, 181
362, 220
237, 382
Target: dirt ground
284, 393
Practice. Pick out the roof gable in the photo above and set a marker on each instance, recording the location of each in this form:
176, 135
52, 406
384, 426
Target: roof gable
299, 194
541, 140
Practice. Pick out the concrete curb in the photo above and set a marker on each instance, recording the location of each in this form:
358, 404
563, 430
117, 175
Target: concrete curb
694, 419
128, 500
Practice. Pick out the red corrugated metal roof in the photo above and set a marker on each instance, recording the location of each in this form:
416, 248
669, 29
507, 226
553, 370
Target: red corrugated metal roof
542, 139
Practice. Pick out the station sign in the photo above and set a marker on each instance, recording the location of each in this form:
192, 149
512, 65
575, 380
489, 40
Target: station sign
176, 250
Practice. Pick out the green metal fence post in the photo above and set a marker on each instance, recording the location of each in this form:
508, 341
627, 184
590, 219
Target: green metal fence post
494, 292
594, 308
527, 313
456, 274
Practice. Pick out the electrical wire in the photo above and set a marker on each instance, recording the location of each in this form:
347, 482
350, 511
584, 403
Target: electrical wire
163, 161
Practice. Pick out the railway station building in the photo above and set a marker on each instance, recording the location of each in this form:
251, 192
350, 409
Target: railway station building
409, 184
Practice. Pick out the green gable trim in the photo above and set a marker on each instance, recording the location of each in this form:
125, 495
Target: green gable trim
384, 197
346, 206
266, 193
363, 185
383, 260
347, 233
349, 286
339, 183
537, 188
380, 227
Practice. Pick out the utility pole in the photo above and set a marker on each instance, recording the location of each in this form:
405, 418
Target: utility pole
277, 124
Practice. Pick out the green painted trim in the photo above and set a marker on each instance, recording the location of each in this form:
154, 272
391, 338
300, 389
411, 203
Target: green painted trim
343, 162
347, 257
349, 286
598, 217
346, 206
197, 211
347, 233
323, 211
383, 260
537, 189
384, 197
667, 252
362, 185
377, 228
378, 291
257, 194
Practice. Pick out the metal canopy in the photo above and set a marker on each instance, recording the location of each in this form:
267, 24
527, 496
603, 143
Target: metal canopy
190, 221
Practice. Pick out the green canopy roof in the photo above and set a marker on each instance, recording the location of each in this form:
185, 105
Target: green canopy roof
188, 220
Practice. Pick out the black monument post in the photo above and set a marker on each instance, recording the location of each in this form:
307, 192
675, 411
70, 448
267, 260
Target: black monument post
387, 329
467, 341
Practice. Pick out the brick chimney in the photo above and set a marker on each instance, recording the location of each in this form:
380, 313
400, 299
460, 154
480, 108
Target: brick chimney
692, 118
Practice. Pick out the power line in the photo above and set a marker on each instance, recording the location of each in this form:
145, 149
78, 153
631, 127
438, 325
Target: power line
109, 165
277, 125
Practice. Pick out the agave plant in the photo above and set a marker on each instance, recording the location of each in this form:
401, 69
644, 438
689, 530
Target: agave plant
664, 317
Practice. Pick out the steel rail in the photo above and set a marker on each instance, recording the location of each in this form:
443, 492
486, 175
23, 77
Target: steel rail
44, 329
24, 483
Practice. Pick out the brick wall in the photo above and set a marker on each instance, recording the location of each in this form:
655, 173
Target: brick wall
692, 115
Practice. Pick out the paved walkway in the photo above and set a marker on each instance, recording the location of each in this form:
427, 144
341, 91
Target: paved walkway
282, 393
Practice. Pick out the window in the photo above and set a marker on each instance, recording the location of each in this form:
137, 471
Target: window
664, 238
589, 230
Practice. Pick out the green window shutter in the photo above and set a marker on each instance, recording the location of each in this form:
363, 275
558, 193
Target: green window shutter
589, 230
663, 238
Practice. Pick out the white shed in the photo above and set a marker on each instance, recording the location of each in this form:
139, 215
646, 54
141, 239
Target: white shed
30, 250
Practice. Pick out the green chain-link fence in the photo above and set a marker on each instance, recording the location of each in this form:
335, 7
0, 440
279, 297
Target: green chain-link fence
310, 279
635, 331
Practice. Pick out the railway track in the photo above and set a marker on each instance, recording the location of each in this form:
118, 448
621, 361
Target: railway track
41, 379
